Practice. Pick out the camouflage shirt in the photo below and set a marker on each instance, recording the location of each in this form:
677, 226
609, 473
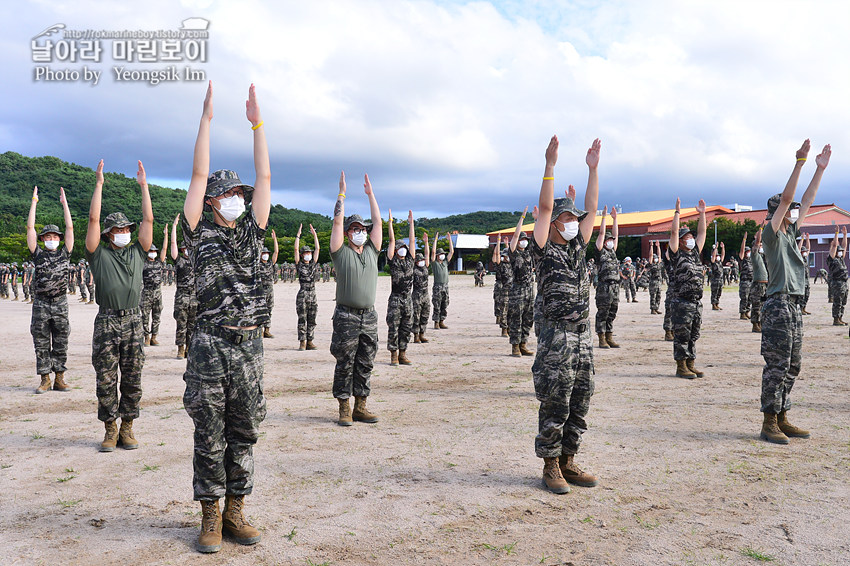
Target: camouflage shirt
716, 272
152, 274
837, 268
420, 279
307, 274
687, 274
267, 273
521, 265
504, 273
184, 275
401, 271
609, 265
628, 271
747, 268
654, 270
50, 279
227, 269
563, 281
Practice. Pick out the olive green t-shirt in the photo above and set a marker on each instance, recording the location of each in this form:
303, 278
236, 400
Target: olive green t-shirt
784, 262
441, 272
117, 275
356, 276
759, 268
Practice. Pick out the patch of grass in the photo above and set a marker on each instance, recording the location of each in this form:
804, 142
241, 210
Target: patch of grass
66, 503
291, 536
161, 444
508, 549
325, 563
70, 471
757, 554
149, 468
587, 520
66, 478
5, 466
36, 436
646, 524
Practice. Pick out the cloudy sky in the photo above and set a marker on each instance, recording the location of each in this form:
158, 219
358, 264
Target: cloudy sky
449, 105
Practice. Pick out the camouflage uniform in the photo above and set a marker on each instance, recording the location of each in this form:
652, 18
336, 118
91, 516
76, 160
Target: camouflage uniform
439, 294
521, 296
224, 373
745, 283
26, 283
49, 325
152, 295
421, 300
716, 282
686, 305
504, 280
13, 279
306, 303
837, 284
805, 300
72, 282
759, 287
607, 290
88, 282
654, 270
400, 302
4, 272
185, 300
563, 365
79, 271
669, 294
628, 281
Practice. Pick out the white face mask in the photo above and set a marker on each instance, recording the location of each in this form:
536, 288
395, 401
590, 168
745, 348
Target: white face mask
421, 263
152, 255
795, 214
441, 257
717, 259
747, 254
359, 238
840, 254
402, 252
523, 244
51, 244
231, 208
570, 230
690, 243
121, 240
805, 254
761, 250
609, 245
264, 257
186, 252
307, 257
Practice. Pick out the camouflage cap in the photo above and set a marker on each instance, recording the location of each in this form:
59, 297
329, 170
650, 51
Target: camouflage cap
51, 229
400, 244
608, 236
566, 204
356, 219
773, 204
305, 249
684, 230
115, 220
523, 236
222, 181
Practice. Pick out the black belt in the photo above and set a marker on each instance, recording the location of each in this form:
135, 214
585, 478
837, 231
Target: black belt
355, 311
578, 327
119, 312
231, 334
58, 299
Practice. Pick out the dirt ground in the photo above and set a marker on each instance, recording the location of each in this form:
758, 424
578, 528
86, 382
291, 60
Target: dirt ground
448, 476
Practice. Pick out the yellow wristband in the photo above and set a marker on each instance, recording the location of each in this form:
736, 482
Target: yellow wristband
35, 199
257, 126
548, 178
341, 195
801, 159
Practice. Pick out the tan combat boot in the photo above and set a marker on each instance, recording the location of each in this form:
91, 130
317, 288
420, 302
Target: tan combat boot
423, 339
515, 351
209, 540
443, 325
602, 343
744, 316
609, 337
90, 301
690, 364
180, 351
154, 341
552, 478
302, 345
125, 435
668, 335
523, 349
714, 307
436, 325
788, 429
756, 327
393, 357
416, 339
719, 308
267, 333
344, 413
147, 340
573, 474
110, 439
804, 311
771, 432
59, 383
683, 371
361, 413
45, 384
402, 358
309, 345
235, 523
505, 333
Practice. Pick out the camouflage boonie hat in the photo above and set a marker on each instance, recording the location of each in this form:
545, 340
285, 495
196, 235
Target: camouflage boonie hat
305, 249
115, 220
684, 230
222, 181
773, 204
51, 229
566, 204
400, 244
608, 236
356, 219
523, 236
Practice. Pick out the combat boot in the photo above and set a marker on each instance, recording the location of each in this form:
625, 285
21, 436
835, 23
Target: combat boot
125, 435
804, 311
683, 371
788, 429
573, 474
310, 345
393, 357
505, 333
110, 439
443, 325
609, 337
714, 307
602, 343
744, 316
302, 345
756, 327
719, 308
416, 339
515, 351
234, 522
147, 340
771, 432
552, 478
361, 413
423, 339
59, 383
838, 322
267, 333
344, 413
690, 364
524, 350
668, 336
90, 301
634, 300
154, 341
45, 384
402, 358
209, 540
180, 351
436, 325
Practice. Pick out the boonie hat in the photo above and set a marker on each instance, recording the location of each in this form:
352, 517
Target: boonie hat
356, 219
51, 229
222, 181
115, 220
773, 204
566, 204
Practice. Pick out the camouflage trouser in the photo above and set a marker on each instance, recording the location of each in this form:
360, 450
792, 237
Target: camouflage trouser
82, 288
118, 343
50, 329
500, 309
151, 304
828, 290
839, 297
27, 287
654, 295
629, 289
563, 383
440, 301
686, 318
268, 290
224, 398
805, 299
306, 307
15, 286
399, 321
781, 347
668, 309
607, 303
757, 295
716, 291
744, 286
185, 309
421, 312
72, 284
354, 344
520, 312
90, 288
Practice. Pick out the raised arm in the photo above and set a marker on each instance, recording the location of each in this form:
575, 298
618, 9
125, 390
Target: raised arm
146, 227
315, 244
411, 235
194, 205
434, 249
261, 201
591, 196
175, 250
615, 228
497, 252
69, 222
451, 253
722, 252
546, 199
391, 234
32, 237
600, 236
93, 230
164, 249
822, 160
377, 235
714, 253
276, 249
790, 187
338, 227
673, 246
833, 246
297, 253
701, 228
515, 238
844, 231
743, 251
